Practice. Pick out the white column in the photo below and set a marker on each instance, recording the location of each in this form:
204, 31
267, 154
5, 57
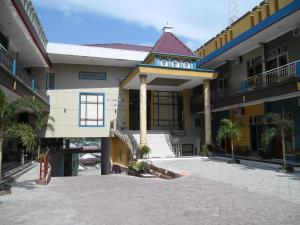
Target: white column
143, 110
207, 112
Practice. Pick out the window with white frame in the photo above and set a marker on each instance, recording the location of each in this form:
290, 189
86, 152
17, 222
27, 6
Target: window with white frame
91, 109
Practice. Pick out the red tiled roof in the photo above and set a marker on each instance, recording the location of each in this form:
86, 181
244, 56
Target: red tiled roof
170, 44
124, 46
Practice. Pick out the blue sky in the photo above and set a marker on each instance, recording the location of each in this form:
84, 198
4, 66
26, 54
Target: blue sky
134, 21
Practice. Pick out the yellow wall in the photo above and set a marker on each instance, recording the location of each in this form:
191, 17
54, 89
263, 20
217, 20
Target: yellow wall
257, 15
283, 3
273, 5
241, 25
253, 110
261, 12
265, 10
224, 37
210, 47
119, 152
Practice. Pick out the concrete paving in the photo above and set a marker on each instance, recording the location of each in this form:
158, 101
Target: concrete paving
256, 177
119, 199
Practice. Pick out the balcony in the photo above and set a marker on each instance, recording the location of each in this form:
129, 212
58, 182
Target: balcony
29, 9
272, 77
20, 74
279, 81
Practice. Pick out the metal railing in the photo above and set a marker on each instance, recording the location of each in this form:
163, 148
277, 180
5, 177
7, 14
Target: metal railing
42, 92
5, 58
25, 76
174, 143
30, 11
10, 64
270, 78
126, 136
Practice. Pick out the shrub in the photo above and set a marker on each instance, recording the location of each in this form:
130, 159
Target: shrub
205, 150
145, 150
140, 167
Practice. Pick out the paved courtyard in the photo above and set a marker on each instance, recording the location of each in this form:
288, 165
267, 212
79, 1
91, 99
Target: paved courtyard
213, 193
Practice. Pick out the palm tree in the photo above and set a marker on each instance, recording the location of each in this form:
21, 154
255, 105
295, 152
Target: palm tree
43, 122
231, 130
10, 128
279, 126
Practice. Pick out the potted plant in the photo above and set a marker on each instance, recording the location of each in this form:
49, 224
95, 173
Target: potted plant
279, 127
232, 131
145, 151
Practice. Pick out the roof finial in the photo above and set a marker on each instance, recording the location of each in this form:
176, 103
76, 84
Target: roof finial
168, 28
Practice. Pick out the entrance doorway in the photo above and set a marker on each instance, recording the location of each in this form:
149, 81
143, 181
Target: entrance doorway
134, 110
256, 132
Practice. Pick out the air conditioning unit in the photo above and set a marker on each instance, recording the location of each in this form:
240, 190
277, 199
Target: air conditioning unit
296, 32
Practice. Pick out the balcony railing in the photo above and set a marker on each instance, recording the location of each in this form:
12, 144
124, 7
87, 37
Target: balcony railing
25, 76
29, 9
5, 58
10, 64
271, 77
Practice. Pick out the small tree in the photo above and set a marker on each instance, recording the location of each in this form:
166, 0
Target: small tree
10, 128
231, 130
43, 121
279, 126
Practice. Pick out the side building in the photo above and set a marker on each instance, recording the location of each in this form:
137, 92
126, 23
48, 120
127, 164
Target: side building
258, 61
23, 64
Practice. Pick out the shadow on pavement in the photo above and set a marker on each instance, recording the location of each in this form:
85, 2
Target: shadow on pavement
253, 165
26, 184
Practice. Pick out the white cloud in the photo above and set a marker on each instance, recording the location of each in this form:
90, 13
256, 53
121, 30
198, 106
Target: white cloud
196, 20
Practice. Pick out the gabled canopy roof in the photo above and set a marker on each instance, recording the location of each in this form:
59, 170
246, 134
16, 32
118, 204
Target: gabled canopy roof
170, 44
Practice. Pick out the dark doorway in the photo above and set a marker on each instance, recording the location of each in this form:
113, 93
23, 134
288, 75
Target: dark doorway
188, 150
180, 112
134, 110
68, 165
256, 132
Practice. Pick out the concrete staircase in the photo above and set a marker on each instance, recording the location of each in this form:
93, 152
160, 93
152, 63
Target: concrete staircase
158, 143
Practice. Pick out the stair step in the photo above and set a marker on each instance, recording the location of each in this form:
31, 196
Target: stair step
158, 144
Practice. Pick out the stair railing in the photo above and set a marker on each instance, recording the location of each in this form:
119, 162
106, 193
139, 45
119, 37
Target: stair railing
126, 136
174, 143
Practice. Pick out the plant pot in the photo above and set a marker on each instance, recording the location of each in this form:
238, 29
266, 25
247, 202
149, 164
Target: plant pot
287, 169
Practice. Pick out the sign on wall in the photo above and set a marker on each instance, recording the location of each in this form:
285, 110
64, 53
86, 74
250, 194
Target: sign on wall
92, 75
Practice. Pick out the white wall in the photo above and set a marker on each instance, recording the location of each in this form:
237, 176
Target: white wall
64, 100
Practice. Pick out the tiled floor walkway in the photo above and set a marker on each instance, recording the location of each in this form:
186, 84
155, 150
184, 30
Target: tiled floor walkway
219, 194
256, 177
